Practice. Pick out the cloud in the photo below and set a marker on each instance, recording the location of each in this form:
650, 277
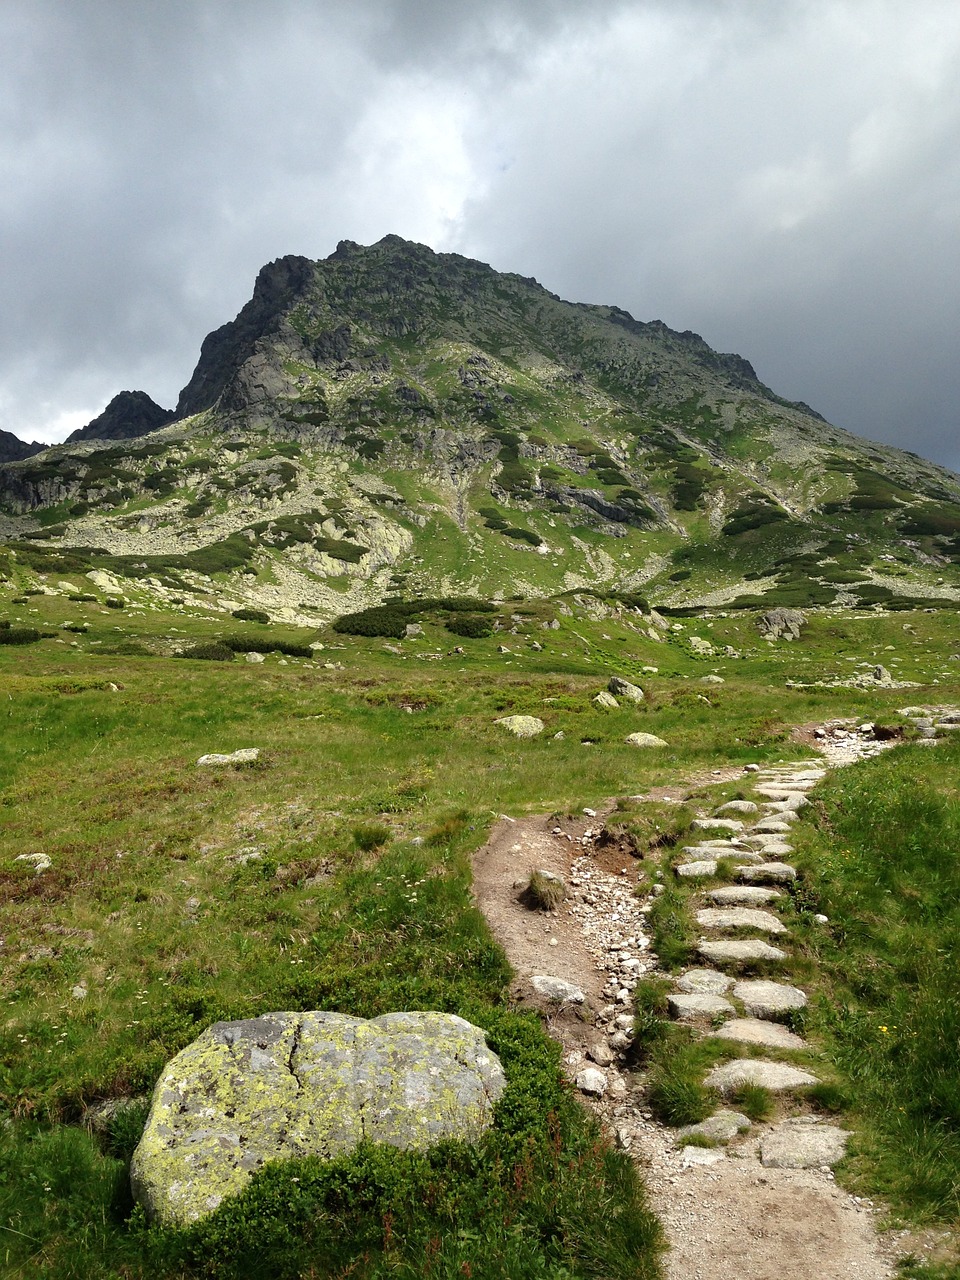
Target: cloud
783, 178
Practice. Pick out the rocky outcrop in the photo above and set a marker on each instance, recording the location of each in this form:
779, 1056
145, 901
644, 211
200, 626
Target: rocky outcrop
13, 449
781, 624
291, 1085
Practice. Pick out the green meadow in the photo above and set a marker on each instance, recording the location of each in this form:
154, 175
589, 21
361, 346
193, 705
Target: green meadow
334, 873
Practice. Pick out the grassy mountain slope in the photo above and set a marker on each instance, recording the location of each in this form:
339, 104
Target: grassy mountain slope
391, 420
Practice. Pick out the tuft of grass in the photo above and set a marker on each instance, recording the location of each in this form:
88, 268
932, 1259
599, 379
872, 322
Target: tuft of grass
676, 1094
544, 891
371, 836
672, 925
753, 1100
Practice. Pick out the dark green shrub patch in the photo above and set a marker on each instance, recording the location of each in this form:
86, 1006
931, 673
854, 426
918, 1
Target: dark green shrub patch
251, 615
471, 625
210, 651
18, 635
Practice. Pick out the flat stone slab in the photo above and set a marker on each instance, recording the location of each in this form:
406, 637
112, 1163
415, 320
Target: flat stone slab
286, 1086
691, 1156
688, 1007
778, 1077
758, 1031
705, 982
763, 999
803, 1143
767, 873
722, 1126
246, 755
556, 989
742, 895
700, 870
723, 824
723, 952
771, 847
772, 826
739, 806
739, 918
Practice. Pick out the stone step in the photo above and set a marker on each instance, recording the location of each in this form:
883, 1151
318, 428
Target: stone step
722, 824
758, 1031
767, 873
764, 999
700, 870
743, 895
771, 846
778, 1077
723, 952
704, 981
722, 1126
739, 806
803, 1142
739, 918
779, 825
688, 1007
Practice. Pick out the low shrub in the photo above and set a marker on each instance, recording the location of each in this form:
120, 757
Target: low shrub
251, 615
473, 626
371, 836
113, 602
19, 635
543, 892
209, 651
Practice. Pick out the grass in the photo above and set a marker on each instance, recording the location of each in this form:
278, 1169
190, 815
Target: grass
101, 732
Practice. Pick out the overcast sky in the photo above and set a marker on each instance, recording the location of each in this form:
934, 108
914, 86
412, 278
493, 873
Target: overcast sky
782, 176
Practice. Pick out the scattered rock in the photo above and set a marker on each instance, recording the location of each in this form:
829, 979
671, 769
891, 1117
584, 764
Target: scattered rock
39, 861
288, 1085
624, 689
254, 657
712, 679
557, 989
246, 755
691, 1156
644, 740
522, 726
591, 1080
606, 701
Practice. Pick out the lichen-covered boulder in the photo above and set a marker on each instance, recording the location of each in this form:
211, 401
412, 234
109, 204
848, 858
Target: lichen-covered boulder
289, 1085
522, 726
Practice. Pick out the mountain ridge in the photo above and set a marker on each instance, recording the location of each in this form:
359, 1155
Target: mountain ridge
392, 419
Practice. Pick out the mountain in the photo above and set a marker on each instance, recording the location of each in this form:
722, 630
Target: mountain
395, 421
13, 449
128, 415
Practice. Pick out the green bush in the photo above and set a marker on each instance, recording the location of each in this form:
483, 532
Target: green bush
18, 635
113, 602
523, 535
251, 615
211, 651
471, 625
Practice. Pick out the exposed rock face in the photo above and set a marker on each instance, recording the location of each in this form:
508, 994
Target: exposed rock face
128, 415
290, 1085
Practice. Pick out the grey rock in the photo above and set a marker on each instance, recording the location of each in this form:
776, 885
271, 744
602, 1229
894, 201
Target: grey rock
767, 873
521, 726
592, 1081
739, 918
803, 1143
722, 952
722, 1126
738, 806
601, 1054
763, 999
700, 870
606, 701
722, 824
778, 1077
688, 1007
644, 740
624, 689
254, 657
246, 755
691, 1156
779, 825
785, 624
291, 1085
742, 895
556, 989
758, 1031
712, 679
705, 982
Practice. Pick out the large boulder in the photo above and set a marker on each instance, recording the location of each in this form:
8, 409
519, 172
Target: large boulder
780, 623
290, 1085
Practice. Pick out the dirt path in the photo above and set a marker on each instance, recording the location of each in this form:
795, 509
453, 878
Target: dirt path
730, 1219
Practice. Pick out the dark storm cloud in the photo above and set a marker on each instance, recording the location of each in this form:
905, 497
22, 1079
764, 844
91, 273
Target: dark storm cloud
783, 178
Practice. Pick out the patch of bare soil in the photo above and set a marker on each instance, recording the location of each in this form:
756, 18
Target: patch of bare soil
730, 1220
